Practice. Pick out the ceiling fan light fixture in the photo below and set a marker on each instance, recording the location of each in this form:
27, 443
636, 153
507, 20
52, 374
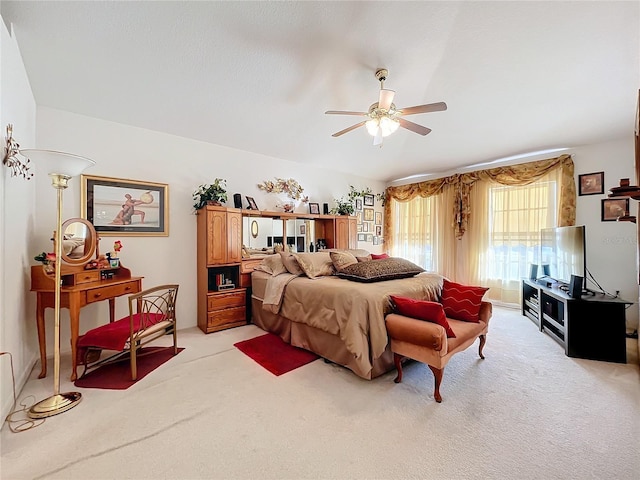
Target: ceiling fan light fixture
388, 125
372, 126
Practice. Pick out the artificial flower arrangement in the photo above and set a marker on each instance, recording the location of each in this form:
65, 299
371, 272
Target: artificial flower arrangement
343, 206
215, 192
290, 187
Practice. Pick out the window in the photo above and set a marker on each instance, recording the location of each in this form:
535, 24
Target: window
413, 231
516, 215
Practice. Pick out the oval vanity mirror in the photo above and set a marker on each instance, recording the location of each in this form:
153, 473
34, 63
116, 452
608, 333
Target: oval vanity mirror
78, 241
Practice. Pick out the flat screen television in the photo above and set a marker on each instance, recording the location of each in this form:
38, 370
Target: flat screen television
563, 253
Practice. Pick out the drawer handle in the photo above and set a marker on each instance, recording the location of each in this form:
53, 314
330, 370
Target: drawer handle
127, 288
96, 295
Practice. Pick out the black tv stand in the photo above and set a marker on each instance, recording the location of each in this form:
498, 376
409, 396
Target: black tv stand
590, 327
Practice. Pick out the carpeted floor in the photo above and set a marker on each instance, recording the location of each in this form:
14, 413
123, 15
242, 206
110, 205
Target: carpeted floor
526, 412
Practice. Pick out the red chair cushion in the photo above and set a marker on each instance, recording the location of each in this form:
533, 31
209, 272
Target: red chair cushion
462, 302
423, 310
114, 336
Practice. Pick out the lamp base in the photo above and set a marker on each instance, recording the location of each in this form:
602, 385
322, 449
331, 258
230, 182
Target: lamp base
55, 404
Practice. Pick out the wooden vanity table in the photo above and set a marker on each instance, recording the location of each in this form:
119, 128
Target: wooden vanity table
83, 281
79, 288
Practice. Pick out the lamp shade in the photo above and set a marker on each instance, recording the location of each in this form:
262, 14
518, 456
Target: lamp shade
58, 163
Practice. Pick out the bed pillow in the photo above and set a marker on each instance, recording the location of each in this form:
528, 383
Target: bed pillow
386, 269
366, 258
291, 263
379, 257
462, 302
422, 310
316, 264
272, 265
342, 259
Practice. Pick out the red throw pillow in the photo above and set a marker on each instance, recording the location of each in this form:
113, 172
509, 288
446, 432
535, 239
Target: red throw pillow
462, 302
379, 257
423, 310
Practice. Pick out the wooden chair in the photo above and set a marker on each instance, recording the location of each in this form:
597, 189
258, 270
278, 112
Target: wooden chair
152, 314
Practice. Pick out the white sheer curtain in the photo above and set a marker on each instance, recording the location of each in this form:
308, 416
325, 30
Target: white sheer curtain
504, 232
418, 233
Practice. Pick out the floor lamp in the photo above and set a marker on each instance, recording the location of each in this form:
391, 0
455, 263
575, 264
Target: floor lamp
61, 167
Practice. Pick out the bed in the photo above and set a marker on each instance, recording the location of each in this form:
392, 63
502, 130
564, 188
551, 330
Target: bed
341, 320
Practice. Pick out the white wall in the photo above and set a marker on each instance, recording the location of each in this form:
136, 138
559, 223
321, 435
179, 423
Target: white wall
17, 222
611, 246
133, 153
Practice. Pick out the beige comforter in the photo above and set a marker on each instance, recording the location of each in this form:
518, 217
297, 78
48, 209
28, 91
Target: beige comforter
351, 310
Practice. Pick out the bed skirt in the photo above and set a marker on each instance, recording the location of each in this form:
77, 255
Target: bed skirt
326, 345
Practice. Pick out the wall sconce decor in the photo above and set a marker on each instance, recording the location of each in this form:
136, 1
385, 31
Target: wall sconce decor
10, 157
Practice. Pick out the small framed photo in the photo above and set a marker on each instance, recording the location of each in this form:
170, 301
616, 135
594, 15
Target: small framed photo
362, 237
612, 208
303, 229
591, 183
375, 241
365, 227
368, 214
368, 200
369, 237
252, 203
117, 206
378, 218
378, 230
358, 204
359, 227
358, 217
314, 208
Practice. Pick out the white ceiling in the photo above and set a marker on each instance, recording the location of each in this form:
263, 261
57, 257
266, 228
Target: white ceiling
258, 76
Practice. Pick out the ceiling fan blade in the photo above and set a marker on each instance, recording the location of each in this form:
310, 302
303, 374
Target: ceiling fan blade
430, 107
414, 127
386, 98
339, 112
348, 129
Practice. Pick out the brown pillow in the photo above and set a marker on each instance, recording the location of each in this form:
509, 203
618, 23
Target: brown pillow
272, 265
342, 259
364, 259
385, 269
291, 263
316, 264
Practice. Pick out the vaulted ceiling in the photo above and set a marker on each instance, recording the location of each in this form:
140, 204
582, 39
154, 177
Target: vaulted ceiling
258, 76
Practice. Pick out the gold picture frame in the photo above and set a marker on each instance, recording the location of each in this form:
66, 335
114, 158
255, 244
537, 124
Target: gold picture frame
123, 207
368, 214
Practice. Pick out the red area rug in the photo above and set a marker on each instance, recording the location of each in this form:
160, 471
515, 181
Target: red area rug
117, 376
274, 354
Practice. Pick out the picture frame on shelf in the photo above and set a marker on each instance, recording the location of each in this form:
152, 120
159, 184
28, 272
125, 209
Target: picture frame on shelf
591, 184
368, 214
123, 207
369, 200
358, 204
314, 208
612, 208
378, 218
252, 203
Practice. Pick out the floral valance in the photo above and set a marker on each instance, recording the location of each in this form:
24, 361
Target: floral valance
522, 174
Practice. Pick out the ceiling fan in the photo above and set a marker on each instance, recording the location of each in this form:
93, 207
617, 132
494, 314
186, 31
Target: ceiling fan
383, 118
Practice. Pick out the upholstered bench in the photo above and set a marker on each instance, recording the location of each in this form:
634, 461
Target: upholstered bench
428, 343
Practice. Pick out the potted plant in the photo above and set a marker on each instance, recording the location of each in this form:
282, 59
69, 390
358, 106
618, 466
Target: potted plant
210, 194
343, 207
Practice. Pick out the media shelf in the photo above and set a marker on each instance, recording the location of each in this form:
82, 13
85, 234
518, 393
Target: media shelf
590, 327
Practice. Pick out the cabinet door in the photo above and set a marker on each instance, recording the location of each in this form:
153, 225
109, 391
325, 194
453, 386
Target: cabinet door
216, 237
234, 237
353, 232
342, 232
